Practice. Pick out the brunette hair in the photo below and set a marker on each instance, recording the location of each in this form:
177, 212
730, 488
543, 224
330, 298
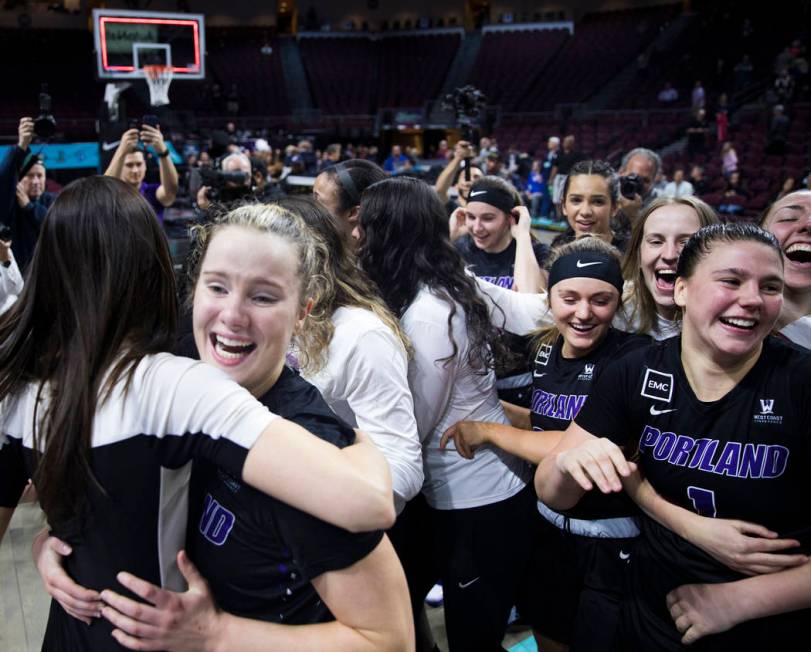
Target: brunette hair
100, 295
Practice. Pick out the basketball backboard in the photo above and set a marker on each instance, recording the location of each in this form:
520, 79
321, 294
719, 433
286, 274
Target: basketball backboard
126, 41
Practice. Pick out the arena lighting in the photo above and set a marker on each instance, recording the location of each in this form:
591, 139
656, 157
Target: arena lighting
155, 21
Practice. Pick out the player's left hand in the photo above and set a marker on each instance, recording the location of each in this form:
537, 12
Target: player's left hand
700, 609
177, 621
467, 437
153, 137
522, 221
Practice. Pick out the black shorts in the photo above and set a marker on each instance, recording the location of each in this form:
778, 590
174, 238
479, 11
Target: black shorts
574, 588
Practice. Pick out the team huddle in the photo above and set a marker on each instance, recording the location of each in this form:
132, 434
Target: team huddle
360, 399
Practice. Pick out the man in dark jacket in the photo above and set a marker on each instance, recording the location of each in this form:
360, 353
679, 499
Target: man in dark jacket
23, 198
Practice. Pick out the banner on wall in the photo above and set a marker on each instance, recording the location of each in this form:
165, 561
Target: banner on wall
71, 156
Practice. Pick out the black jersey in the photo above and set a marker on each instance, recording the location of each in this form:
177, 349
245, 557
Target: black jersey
560, 387
746, 456
499, 269
258, 553
175, 410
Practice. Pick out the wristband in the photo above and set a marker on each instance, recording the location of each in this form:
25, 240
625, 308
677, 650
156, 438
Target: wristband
164, 153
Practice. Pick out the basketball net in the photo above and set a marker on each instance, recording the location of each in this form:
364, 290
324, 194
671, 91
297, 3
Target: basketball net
158, 79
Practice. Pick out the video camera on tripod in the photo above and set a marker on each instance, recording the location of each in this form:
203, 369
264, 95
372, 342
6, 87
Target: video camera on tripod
466, 103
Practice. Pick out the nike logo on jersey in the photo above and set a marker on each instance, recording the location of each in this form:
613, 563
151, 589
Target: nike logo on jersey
596, 262
536, 374
467, 584
108, 146
656, 412
478, 192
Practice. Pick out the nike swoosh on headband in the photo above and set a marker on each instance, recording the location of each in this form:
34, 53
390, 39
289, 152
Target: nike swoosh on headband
478, 192
596, 262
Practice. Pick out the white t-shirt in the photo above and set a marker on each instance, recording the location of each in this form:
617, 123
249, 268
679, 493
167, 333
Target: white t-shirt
627, 318
446, 392
799, 331
175, 410
365, 382
11, 284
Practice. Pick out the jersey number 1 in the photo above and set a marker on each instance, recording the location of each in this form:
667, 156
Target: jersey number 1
703, 501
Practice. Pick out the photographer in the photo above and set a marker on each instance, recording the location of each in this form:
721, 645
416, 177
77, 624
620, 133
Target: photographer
23, 198
129, 165
454, 176
230, 183
11, 281
638, 171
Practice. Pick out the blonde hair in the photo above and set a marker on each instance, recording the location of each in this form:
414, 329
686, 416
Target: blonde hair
310, 250
343, 282
588, 243
644, 306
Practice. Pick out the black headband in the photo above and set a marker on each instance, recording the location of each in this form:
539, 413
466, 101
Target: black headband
500, 199
586, 264
346, 182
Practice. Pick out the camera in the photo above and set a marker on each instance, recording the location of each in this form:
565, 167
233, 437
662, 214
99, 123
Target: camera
631, 185
225, 186
466, 103
44, 123
5, 233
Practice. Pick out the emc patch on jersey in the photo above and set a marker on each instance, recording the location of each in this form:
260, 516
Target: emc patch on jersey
543, 354
657, 385
767, 414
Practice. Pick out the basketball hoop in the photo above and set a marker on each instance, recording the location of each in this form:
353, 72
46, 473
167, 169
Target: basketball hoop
158, 79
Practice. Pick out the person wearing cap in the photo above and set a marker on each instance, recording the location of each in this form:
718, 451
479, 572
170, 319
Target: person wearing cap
498, 247
129, 165
23, 198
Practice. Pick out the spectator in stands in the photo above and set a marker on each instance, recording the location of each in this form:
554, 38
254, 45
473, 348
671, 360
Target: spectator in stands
308, 158
129, 165
23, 198
729, 159
11, 281
442, 150
549, 161
332, 156
395, 161
494, 167
743, 73
204, 160
485, 147
698, 97
668, 95
659, 184
735, 195
778, 132
697, 132
540, 202
679, 187
788, 187
784, 86
566, 158
645, 164
338, 189
722, 119
700, 184
233, 190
